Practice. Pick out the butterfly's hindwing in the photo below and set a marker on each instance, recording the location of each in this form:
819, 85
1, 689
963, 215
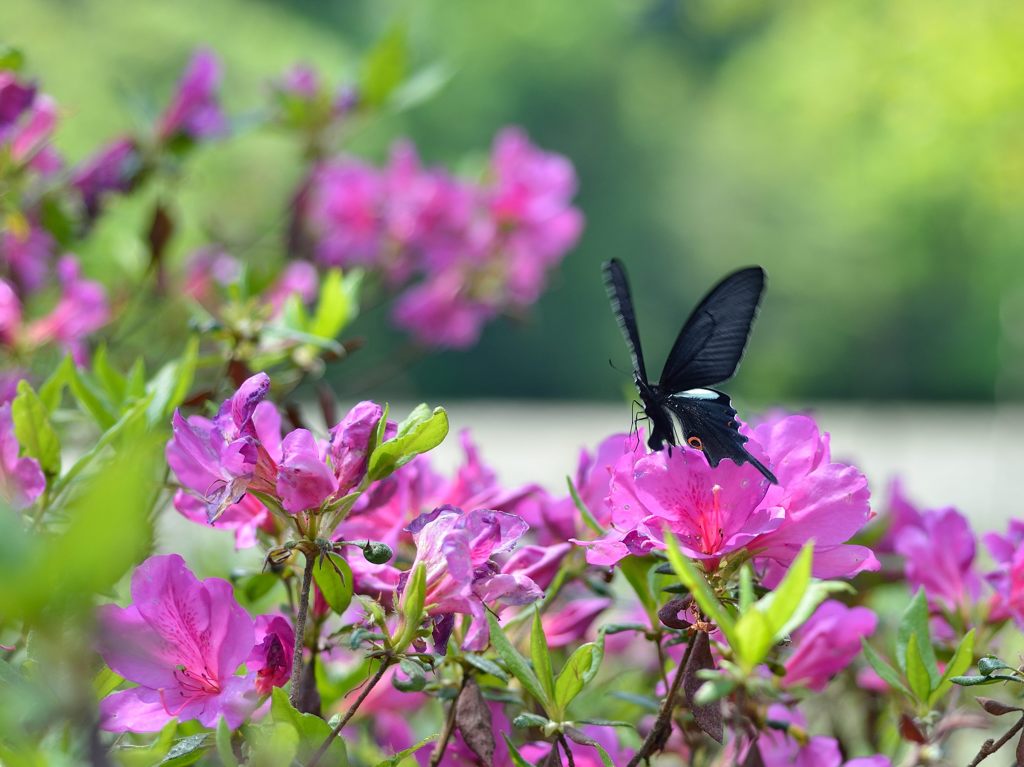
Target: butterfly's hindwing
709, 346
713, 423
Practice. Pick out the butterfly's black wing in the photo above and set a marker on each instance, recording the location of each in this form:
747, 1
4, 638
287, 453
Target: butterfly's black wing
708, 348
617, 285
710, 425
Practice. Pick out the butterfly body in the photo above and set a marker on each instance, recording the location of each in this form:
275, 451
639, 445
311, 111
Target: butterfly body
682, 407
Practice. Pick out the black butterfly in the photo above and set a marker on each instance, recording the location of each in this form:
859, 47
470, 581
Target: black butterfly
681, 407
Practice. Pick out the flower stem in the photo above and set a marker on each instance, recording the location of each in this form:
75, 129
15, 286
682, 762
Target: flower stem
567, 750
367, 689
662, 728
989, 747
446, 733
300, 631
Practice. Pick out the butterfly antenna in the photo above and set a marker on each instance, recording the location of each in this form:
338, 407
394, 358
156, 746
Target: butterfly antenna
617, 370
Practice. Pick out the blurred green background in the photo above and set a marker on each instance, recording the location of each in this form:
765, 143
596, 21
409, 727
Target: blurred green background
869, 154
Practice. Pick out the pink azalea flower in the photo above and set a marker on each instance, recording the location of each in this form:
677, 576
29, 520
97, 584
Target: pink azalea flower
21, 479
244, 518
820, 500
1008, 577
181, 642
298, 278
583, 756
310, 473
15, 99
780, 750
345, 211
10, 314
217, 460
712, 511
568, 622
194, 111
112, 169
209, 269
300, 81
81, 310
30, 138
900, 513
271, 656
456, 548
827, 643
27, 256
946, 571
441, 312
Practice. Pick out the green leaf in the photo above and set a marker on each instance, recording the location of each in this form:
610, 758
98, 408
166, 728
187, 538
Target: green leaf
541, 657
958, 664
577, 671
888, 674
395, 759
256, 586
187, 750
385, 68
746, 590
105, 682
412, 606
714, 690
312, 730
423, 430
513, 752
990, 664
91, 398
516, 663
698, 586
333, 308
527, 720
32, 427
224, 749
637, 571
416, 677
915, 624
172, 382
917, 673
421, 87
780, 604
581, 507
486, 665
334, 578
752, 638
974, 681
113, 383
51, 389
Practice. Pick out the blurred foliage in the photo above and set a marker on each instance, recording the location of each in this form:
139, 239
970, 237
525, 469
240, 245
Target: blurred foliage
869, 155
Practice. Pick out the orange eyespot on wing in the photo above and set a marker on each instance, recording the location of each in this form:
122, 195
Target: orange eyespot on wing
695, 443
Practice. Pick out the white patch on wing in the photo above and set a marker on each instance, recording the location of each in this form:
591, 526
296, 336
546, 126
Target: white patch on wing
698, 394
677, 427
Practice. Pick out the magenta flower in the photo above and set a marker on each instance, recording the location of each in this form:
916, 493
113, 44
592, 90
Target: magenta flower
29, 141
456, 549
113, 169
442, 312
298, 278
712, 512
181, 642
271, 656
217, 460
583, 756
1008, 577
21, 479
27, 256
939, 555
780, 750
81, 310
311, 474
244, 518
10, 314
820, 500
827, 643
194, 111
900, 513
568, 624
15, 99
345, 211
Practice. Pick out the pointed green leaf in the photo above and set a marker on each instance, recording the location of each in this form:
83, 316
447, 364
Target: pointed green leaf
917, 673
112, 381
888, 674
32, 427
513, 752
412, 606
580, 668
746, 590
486, 665
915, 623
312, 730
780, 604
53, 387
397, 758
385, 68
581, 507
187, 750
423, 430
516, 663
224, 748
958, 664
637, 571
541, 657
333, 307
752, 638
699, 588
333, 576
91, 398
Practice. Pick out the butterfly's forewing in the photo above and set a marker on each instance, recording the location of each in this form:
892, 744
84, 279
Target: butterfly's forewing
713, 423
709, 347
617, 285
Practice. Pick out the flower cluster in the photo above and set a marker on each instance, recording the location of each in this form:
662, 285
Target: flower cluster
471, 251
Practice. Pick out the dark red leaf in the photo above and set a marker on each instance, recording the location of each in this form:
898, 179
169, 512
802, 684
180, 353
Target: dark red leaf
669, 612
996, 707
708, 717
473, 718
910, 731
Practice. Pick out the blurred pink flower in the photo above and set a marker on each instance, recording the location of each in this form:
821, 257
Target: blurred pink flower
21, 478
779, 750
244, 517
441, 312
569, 620
827, 643
583, 756
15, 98
181, 642
820, 500
194, 111
345, 211
938, 554
271, 656
29, 140
81, 310
27, 256
1008, 578
900, 513
113, 168
298, 278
